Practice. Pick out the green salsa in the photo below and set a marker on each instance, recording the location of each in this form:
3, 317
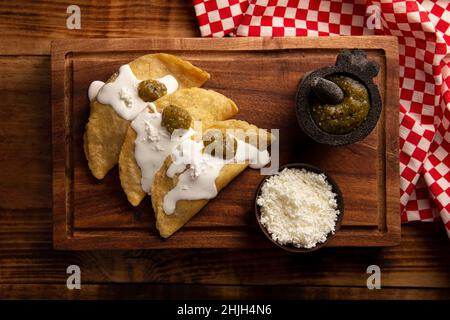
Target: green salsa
151, 90
174, 117
346, 116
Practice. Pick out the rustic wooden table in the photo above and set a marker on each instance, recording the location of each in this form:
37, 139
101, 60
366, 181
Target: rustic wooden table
30, 268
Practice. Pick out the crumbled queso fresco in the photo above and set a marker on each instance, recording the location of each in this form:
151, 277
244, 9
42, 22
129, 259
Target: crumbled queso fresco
298, 207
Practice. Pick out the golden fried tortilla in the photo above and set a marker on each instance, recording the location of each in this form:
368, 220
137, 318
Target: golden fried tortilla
186, 209
203, 105
106, 130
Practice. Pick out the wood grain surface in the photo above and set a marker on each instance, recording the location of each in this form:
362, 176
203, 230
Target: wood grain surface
261, 76
30, 268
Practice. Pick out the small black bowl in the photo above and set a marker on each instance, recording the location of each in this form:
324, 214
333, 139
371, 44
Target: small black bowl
353, 64
340, 203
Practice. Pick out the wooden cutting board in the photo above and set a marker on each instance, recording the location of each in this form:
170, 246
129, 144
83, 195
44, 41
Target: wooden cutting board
261, 75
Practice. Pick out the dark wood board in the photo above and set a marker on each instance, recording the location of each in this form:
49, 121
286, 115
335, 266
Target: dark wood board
260, 75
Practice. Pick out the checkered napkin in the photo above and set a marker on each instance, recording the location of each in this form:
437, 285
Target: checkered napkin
423, 31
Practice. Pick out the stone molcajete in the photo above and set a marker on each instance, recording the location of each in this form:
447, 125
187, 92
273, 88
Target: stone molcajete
340, 104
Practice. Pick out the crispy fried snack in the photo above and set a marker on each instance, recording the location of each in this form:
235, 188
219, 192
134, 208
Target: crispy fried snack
186, 209
106, 130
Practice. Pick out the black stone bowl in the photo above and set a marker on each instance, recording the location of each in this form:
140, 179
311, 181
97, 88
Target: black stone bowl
340, 203
358, 68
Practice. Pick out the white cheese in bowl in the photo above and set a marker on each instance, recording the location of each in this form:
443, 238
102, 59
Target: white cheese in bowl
298, 207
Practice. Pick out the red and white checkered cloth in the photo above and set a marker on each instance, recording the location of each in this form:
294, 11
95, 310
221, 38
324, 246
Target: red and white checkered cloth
423, 31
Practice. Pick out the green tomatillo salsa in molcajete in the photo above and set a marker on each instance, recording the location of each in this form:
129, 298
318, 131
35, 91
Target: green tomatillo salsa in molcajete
346, 116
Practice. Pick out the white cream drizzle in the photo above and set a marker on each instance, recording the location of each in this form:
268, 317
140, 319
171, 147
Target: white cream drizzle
153, 143
122, 93
94, 87
199, 170
170, 82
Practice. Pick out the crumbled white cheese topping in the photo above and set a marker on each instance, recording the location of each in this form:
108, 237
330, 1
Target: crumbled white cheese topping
127, 97
298, 207
151, 133
197, 168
